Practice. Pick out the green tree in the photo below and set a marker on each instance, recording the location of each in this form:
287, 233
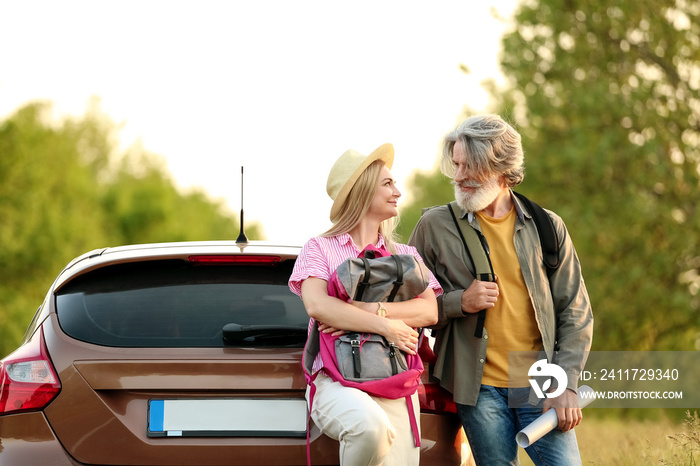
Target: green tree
146, 207
605, 95
48, 209
427, 190
65, 189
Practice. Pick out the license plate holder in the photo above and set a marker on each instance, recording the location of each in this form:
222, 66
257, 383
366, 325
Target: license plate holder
227, 417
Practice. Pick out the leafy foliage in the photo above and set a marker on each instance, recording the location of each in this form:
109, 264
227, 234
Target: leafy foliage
606, 98
65, 190
428, 189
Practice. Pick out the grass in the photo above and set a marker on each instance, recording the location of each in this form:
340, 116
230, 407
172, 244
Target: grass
606, 441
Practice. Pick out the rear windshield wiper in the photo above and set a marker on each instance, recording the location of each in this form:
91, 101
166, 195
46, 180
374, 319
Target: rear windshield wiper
267, 335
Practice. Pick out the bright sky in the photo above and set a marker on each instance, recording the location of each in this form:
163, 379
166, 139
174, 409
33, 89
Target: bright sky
280, 87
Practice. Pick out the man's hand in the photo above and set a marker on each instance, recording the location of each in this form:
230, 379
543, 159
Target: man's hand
480, 295
566, 406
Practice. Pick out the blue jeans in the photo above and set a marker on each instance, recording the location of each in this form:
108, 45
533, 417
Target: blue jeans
491, 427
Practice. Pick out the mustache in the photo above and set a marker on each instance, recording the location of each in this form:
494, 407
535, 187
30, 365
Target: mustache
467, 184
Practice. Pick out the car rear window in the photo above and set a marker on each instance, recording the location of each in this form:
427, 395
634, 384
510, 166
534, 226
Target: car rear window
177, 304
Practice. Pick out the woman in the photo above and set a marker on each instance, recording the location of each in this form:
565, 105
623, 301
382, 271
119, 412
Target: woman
371, 430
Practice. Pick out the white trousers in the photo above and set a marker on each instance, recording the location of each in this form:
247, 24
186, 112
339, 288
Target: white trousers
372, 431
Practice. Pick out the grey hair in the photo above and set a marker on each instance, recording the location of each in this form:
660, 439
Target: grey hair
492, 146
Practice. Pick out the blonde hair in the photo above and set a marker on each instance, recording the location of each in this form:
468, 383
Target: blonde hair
357, 204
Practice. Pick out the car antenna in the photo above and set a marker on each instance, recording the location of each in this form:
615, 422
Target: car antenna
242, 240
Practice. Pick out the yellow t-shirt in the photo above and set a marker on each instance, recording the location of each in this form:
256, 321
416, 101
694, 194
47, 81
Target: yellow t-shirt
511, 324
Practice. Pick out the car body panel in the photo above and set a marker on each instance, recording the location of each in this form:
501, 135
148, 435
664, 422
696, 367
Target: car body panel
100, 416
26, 439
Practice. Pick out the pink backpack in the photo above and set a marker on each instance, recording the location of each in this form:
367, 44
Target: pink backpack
401, 385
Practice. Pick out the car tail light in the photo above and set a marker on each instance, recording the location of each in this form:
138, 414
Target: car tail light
435, 399
235, 259
28, 380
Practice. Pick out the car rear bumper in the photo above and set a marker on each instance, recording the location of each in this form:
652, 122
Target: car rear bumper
440, 439
27, 439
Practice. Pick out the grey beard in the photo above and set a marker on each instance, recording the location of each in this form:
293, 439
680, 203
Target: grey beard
481, 199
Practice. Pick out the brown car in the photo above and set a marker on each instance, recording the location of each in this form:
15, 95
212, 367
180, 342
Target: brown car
177, 354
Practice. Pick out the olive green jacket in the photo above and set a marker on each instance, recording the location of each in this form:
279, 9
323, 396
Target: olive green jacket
562, 308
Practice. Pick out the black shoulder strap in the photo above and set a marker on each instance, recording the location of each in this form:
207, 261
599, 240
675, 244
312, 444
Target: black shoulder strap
364, 284
546, 232
399, 279
478, 251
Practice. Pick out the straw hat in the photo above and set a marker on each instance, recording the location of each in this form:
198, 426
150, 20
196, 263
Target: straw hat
348, 168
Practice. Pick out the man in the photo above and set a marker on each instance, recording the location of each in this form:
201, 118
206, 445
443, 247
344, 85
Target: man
527, 309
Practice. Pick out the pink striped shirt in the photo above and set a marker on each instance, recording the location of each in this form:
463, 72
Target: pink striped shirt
320, 256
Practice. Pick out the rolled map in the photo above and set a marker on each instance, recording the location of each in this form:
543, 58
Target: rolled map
548, 421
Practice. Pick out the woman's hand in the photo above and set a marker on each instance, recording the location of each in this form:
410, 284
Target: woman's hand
336, 316
323, 328
396, 331
403, 336
421, 311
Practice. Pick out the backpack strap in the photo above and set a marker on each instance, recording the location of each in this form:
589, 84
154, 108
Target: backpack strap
312, 394
311, 350
364, 284
399, 279
546, 232
414, 422
478, 251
